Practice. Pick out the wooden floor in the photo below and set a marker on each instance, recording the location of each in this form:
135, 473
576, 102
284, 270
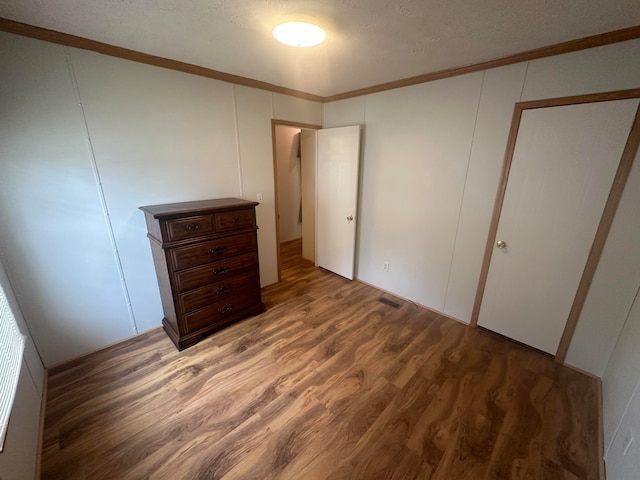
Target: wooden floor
328, 383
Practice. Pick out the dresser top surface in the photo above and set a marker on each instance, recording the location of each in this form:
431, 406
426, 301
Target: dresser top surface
198, 206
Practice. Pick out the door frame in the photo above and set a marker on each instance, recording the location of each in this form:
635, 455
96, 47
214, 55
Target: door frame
615, 193
274, 124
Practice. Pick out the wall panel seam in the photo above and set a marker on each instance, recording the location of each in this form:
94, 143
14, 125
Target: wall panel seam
237, 129
464, 190
103, 201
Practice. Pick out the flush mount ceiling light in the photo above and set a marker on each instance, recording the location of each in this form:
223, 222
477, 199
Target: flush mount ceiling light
299, 34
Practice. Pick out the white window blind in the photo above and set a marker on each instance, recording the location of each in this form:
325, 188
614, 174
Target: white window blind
11, 350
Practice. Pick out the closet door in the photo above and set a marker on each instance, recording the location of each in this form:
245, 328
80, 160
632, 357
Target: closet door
562, 169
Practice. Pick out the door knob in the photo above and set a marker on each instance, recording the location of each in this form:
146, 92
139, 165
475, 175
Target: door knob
350, 218
501, 244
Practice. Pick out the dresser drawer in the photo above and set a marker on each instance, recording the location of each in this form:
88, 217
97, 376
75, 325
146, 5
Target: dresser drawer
203, 296
219, 311
232, 220
189, 227
184, 257
214, 272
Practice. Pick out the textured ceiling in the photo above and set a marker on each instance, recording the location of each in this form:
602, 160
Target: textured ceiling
368, 41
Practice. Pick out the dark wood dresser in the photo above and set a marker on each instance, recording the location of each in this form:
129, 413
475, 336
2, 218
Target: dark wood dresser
206, 259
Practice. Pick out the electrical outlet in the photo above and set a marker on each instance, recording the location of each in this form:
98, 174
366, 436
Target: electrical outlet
259, 198
385, 265
628, 441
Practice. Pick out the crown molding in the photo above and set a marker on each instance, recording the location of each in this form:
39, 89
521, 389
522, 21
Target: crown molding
60, 38
53, 36
592, 41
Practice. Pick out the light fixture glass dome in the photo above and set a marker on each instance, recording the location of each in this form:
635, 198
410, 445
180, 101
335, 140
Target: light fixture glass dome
299, 34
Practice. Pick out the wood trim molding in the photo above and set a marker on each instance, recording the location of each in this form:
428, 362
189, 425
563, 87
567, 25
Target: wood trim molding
497, 210
274, 154
592, 41
287, 123
274, 124
60, 38
601, 466
43, 405
53, 36
585, 98
615, 194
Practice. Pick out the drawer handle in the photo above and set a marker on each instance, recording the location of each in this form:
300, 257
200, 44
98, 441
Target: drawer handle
227, 308
221, 271
193, 226
218, 250
236, 219
221, 290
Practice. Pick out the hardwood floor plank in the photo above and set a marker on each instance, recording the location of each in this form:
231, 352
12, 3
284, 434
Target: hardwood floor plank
571, 434
328, 383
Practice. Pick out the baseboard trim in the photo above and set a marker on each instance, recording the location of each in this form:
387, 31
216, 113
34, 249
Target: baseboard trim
602, 471
583, 372
43, 409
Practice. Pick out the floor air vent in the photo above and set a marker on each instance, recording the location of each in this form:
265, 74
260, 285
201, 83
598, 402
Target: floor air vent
391, 303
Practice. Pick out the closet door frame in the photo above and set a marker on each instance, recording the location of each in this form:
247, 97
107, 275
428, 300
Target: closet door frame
617, 187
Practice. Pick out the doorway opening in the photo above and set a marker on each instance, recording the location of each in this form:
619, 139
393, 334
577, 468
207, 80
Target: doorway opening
294, 168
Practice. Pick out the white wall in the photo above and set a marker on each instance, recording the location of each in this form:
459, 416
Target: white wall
621, 380
614, 285
86, 140
621, 392
414, 171
54, 236
155, 140
416, 153
18, 460
289, 182
253, 110
432, 160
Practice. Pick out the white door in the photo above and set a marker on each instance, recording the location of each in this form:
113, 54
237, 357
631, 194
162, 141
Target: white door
562, 170
337, 198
